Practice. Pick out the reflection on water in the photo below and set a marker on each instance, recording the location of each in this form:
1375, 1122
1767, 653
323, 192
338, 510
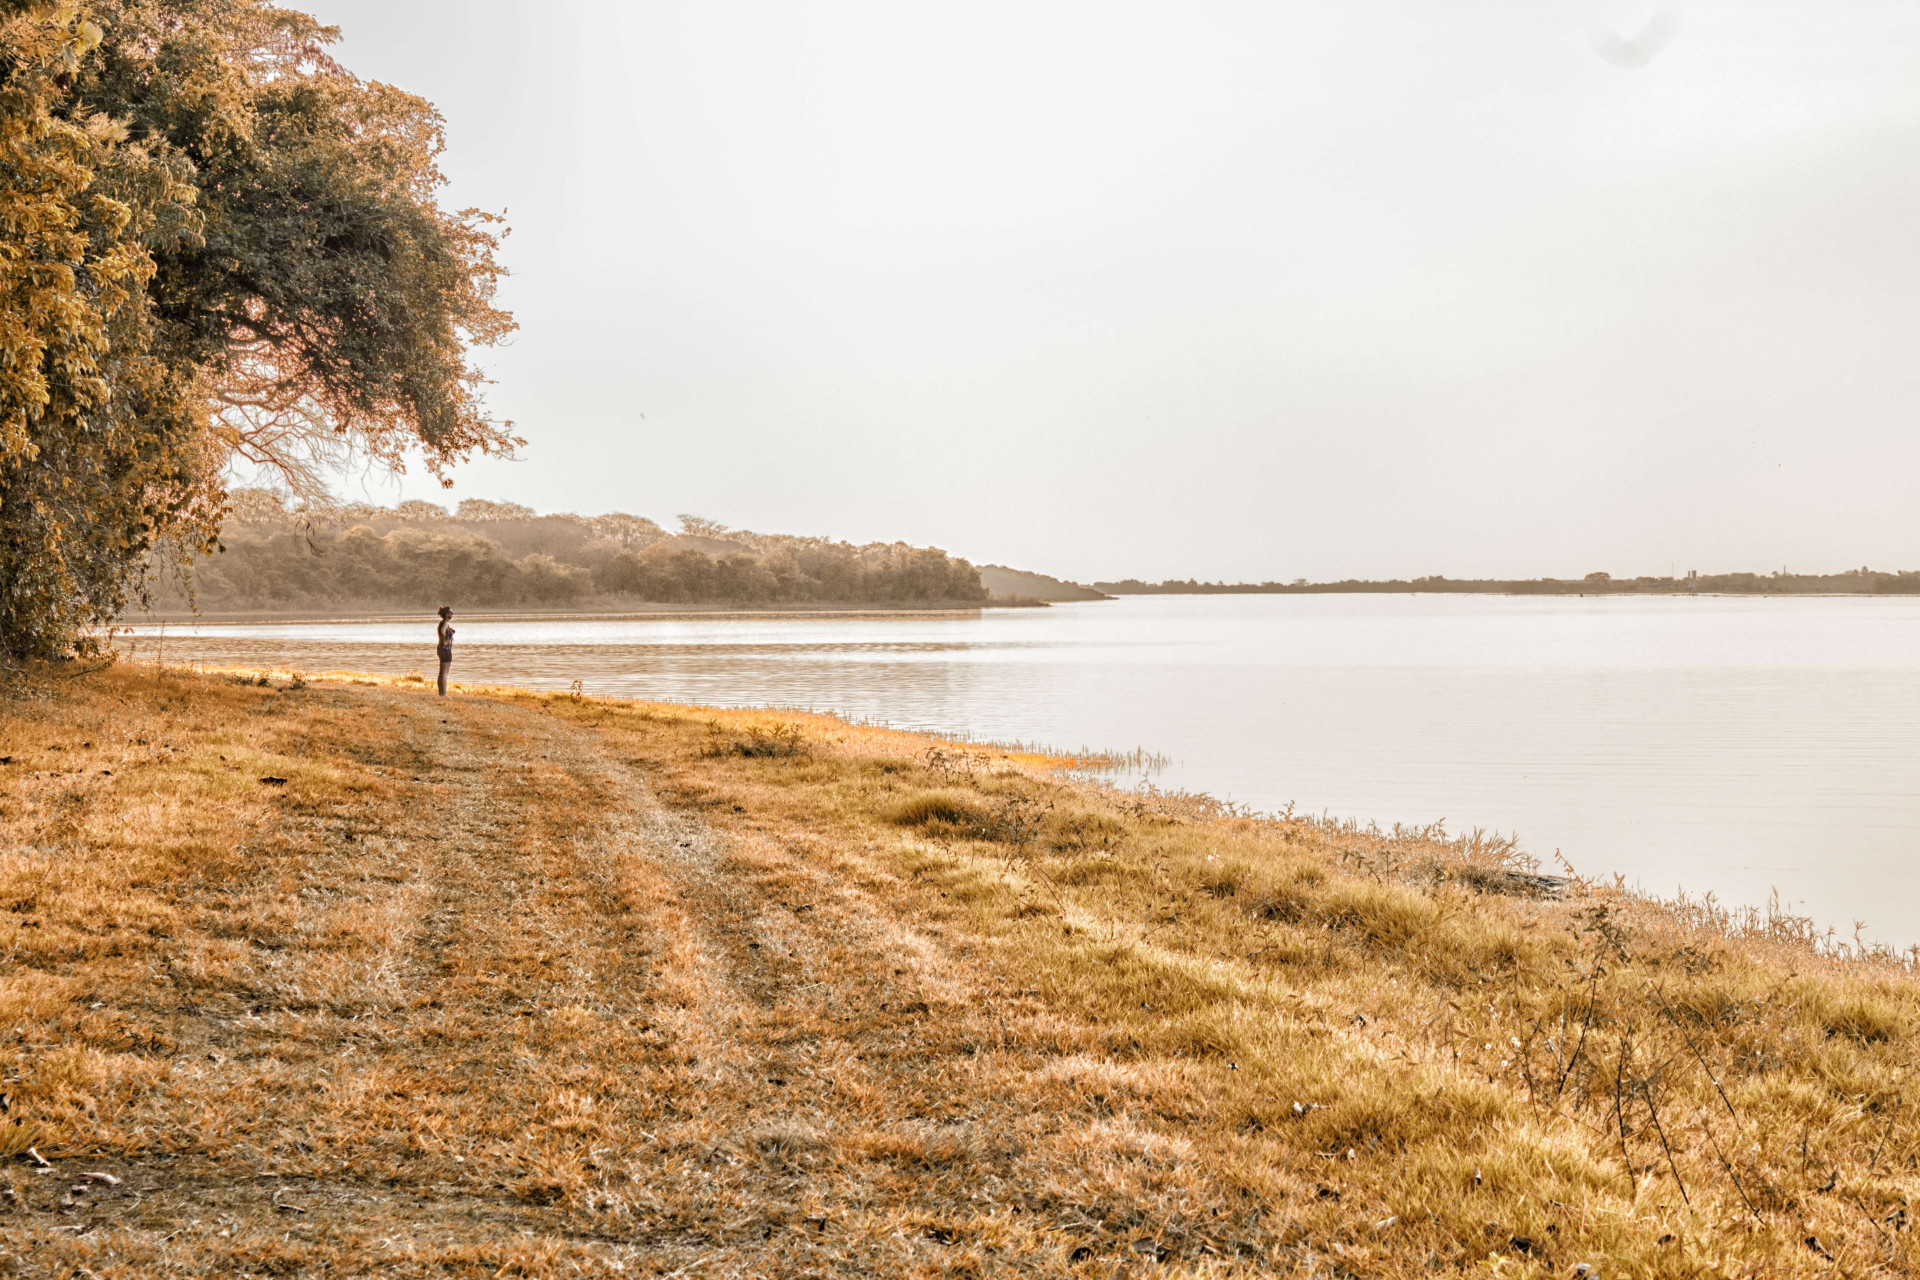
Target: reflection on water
1724, 745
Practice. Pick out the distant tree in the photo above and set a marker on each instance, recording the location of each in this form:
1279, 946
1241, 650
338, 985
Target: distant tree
1598, 577
215, 243
700, 526
256, 506
481, 509
415, 509
628, 532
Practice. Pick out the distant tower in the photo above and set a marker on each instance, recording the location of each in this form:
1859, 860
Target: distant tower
1693, 580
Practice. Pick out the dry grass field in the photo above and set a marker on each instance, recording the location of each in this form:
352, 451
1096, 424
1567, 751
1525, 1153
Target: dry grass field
334, 977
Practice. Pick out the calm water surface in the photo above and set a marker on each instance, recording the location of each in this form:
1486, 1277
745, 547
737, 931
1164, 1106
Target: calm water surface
1718, 744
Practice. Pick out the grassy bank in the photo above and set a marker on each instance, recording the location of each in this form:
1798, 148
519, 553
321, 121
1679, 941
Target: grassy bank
335, 977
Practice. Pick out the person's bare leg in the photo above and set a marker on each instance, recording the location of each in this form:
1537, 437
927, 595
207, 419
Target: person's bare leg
444, 667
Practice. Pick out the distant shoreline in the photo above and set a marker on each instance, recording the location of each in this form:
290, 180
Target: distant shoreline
1859, 583
1581, 595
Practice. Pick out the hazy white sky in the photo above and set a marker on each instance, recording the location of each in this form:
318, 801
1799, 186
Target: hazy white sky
1236, 290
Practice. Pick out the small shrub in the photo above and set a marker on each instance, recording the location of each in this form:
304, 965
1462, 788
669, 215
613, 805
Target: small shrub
777, 740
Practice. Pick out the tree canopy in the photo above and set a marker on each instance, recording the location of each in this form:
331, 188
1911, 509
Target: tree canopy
504, 555
215, 242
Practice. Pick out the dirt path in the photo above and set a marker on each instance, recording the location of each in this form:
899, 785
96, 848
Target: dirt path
501, 1006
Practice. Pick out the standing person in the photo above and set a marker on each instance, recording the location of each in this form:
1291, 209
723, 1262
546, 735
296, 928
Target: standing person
444, 644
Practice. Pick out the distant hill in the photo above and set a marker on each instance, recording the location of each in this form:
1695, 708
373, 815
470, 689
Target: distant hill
501, 555
1003, 583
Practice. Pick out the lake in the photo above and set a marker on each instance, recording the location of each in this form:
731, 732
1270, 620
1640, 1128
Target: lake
1731, 745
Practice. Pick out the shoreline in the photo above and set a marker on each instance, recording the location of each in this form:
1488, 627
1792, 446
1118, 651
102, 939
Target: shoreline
538, 982
1074, 768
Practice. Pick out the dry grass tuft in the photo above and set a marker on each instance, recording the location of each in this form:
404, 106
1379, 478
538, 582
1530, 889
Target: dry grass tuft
941, 810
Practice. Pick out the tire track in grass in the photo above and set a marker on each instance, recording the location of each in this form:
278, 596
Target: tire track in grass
519, 1014
422, 1007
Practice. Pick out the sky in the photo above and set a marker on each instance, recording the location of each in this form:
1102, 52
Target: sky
1239, 291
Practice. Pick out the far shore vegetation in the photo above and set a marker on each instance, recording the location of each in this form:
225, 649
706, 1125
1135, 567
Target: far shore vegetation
500, 555
1862, 581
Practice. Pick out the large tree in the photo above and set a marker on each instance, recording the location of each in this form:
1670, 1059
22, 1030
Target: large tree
214, 241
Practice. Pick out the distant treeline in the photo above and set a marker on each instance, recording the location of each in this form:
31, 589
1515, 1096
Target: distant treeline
502, 555
1853, 582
